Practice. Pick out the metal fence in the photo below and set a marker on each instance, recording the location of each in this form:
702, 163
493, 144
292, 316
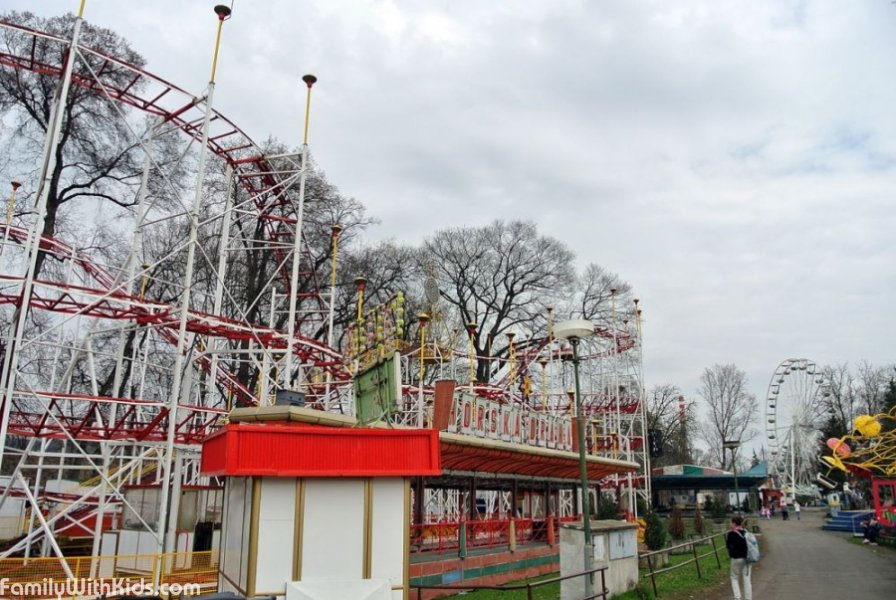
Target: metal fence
444, 536
173, 574
688, 548
599, 592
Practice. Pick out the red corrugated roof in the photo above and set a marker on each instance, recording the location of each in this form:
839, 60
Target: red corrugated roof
281, 449
466, 453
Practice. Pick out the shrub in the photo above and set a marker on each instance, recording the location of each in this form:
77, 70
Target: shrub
699, 527
718, 509
655, 532
607, 508
676, 524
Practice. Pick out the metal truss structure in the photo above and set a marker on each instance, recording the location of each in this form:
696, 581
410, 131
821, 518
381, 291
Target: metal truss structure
537, 376
116, 363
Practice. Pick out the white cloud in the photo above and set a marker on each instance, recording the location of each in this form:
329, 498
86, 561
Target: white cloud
734, 161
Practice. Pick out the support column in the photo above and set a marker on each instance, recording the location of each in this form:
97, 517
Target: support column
549, 515
165, 510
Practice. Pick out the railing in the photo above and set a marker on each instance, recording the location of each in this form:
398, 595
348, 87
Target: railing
446, 536
649, 557
176, 574
438, 537
529, 587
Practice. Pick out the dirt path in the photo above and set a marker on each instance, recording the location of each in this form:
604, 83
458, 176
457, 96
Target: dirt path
800, 561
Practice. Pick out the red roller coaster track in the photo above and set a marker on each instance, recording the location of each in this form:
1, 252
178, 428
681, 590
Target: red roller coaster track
101, 297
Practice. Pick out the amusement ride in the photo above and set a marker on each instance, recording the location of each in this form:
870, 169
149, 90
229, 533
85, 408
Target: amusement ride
116, 367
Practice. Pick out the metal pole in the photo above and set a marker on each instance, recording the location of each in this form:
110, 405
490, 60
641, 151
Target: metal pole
48, 532
471, 333
131, 261
644, 450
792, 462
12, 203
37, 483
335, 230
223, 12
424, 319
583, 470
100, 514
297, 242
734, 466
223, 243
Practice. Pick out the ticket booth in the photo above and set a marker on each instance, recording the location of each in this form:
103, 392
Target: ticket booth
313, 511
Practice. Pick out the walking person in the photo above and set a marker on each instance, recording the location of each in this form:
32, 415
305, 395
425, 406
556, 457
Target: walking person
796, 509
736, 543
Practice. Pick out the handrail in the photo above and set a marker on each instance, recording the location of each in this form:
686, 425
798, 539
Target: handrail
711, 539
524, 586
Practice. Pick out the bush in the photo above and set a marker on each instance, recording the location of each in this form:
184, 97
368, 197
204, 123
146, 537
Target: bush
715, 508
607, 508
655, 532
699, 527
676, 524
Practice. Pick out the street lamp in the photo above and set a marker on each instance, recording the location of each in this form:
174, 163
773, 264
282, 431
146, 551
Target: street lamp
733, 445
575, 331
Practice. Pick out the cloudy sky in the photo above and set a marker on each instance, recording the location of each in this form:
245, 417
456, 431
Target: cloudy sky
734, 161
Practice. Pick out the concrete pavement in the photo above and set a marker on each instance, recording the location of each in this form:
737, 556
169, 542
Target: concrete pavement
802, 562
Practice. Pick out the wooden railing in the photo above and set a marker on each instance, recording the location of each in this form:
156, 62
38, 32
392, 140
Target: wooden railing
599, 592
650, 558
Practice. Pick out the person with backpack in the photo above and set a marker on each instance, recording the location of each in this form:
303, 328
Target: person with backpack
736, 542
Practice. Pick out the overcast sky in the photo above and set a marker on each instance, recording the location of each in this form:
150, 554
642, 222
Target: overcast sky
734, 161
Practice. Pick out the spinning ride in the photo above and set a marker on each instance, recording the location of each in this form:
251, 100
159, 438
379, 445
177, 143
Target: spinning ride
868, 452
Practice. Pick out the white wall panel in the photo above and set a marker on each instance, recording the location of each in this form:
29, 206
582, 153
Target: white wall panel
276, 524
235, 527
388, 530
333, 536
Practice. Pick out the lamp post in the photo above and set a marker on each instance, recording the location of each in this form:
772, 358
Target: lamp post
574, 331
733, 445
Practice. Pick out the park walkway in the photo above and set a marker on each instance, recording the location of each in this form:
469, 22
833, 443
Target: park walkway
802, 562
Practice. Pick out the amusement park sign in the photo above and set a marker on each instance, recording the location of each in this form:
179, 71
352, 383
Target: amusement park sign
490, 419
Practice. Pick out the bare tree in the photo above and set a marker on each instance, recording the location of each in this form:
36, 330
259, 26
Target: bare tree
389, 268
872, 385
97, 158
841, 404
669, 413
731, 408
594, 294
500, 277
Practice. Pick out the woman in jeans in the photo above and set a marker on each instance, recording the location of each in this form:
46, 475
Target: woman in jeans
740, 568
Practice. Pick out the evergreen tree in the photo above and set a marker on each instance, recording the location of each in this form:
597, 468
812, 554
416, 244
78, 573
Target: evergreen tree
655, 533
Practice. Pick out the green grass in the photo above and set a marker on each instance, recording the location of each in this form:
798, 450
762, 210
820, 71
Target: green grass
857, 540
684, 581
679, 583
549, 591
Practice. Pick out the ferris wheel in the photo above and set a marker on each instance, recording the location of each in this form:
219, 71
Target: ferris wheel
794, 411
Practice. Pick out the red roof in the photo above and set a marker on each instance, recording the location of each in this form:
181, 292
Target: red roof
298, 442
466, 453
281, 449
